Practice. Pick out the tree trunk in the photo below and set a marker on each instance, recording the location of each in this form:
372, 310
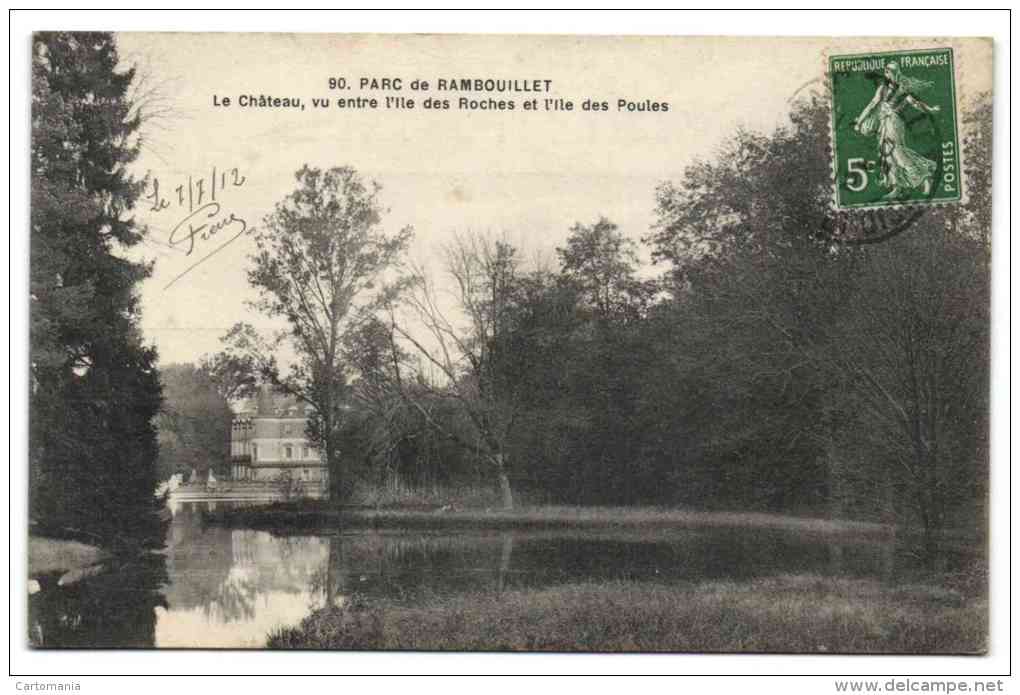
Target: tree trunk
335, 486
837, 509
504, 483
888, 511
334, 588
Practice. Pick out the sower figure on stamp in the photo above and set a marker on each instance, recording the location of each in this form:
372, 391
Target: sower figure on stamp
902, 169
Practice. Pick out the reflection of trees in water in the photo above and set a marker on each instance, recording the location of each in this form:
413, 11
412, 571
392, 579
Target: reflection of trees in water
234, 599
224, 571
411, 566
729, 554
262, 563
506, 553
115, 608
326, 586
198, 559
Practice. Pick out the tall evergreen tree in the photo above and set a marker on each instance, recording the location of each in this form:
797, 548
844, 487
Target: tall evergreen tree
94, 386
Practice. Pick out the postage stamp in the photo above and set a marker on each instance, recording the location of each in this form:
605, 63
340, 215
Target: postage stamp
894, 129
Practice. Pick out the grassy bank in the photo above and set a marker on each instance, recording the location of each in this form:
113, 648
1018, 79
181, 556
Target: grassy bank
464, 496
286, 516
782, 614
46, 555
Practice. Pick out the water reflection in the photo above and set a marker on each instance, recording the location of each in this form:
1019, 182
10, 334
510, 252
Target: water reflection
216, 587
232, 587
115, 607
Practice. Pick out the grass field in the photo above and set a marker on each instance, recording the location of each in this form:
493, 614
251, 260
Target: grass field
47, 555
779, 614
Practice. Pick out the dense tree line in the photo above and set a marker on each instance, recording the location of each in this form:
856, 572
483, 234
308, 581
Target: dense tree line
771, 364
94, 388
855, 376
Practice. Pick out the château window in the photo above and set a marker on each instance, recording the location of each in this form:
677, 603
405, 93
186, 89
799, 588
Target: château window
254, 452
288, 452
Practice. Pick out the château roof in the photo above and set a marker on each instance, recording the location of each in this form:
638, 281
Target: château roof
271, 403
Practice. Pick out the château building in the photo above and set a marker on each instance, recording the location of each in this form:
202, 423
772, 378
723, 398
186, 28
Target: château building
267, 442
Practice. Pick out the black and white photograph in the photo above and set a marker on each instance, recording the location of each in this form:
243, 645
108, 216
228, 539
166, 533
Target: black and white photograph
462, 343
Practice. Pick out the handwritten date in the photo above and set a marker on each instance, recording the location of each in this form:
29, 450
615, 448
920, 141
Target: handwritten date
196, 190
204, 215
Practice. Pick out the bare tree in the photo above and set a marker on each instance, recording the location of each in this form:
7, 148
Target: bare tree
459, 356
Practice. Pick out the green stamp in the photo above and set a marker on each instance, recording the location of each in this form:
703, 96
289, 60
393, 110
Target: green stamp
894, 128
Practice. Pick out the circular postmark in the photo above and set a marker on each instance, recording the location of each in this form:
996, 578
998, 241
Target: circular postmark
856, 226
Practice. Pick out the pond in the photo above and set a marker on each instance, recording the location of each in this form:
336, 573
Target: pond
215, 587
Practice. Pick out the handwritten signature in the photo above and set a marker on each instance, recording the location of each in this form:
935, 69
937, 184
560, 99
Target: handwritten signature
205, 231
205, 216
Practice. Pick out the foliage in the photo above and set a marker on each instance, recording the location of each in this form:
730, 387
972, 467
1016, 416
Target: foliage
194, 423
854, 373
774, 367
94, 386
289, 486
320, 266
601, 262
234, 374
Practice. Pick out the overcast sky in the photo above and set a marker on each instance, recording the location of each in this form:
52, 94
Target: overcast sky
530, 174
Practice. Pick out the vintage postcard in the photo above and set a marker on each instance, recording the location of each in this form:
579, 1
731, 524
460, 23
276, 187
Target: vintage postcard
510, 343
